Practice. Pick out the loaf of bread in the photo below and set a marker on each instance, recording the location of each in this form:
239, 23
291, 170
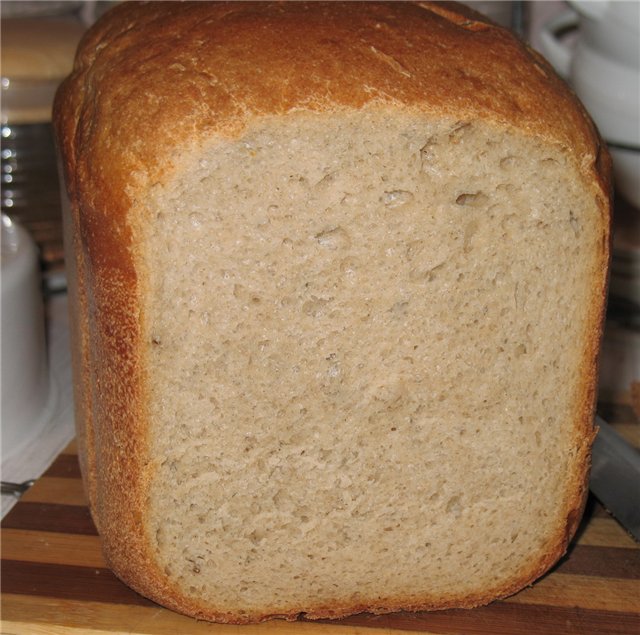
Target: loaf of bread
337, 276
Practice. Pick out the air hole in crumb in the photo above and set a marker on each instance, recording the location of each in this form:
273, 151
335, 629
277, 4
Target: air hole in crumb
334, 238
396, 198
196, 219
256, 536
471, 199
453, 506
428, 275
469, 231
414, 248
328, 178
508, 162
575, 223
428, 155
315, 307
459, 130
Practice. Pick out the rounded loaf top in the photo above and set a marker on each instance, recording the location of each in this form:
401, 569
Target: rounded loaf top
150, 77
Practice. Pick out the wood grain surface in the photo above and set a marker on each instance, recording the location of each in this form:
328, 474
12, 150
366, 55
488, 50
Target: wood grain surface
55, 580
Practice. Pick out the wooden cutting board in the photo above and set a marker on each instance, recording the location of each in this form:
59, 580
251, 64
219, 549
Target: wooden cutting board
54, 578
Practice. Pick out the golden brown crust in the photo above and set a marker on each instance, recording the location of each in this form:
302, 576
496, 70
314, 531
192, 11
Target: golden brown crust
168, 87
150, 78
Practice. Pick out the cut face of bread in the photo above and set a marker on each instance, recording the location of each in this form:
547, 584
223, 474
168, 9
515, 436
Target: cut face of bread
367, 338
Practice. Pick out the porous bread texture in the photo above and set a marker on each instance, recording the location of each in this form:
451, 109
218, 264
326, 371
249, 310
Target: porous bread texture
365, 351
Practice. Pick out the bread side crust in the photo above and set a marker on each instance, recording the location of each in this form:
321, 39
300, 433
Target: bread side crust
132, 103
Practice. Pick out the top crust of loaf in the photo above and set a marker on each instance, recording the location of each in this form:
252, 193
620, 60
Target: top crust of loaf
171, 73
152, 80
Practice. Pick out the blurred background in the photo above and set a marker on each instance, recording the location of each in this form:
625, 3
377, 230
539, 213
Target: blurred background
594, 45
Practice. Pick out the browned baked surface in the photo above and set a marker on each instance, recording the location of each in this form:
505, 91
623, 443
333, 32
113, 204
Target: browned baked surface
268, 59
152, 78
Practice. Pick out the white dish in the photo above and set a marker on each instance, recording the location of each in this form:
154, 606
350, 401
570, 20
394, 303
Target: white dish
28, 392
